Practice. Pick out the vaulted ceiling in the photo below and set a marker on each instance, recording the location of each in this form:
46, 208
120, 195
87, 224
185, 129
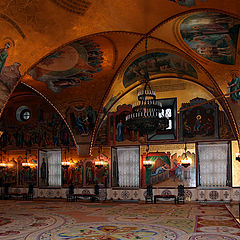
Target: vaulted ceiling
75, 53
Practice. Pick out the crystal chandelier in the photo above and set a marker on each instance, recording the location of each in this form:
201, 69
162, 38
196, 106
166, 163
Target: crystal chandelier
147, 114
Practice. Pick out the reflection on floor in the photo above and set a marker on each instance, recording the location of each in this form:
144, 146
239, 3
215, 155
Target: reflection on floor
50, 220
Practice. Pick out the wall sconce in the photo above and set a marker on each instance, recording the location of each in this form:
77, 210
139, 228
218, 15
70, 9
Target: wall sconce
186, 161
65, 164
147, 163
238, 157
3, 165
26, 165
99, 163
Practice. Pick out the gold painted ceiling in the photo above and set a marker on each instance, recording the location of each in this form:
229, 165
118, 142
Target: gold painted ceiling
75, 53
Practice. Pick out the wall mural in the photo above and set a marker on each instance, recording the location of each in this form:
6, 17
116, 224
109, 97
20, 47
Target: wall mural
167, 169
73, 174
203, 122
28, 175
186, 3
117, 130
212, 35
82, 119
9, 75
234, 98
49, 130
95, 174
158, 63
15, 173
199, 122
69, 65
111, 101
234, 86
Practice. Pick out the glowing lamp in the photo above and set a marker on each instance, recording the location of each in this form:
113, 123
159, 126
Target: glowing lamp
238, 157
186, 162
99, 163
3, 165
66, 164
26, 164
147, 163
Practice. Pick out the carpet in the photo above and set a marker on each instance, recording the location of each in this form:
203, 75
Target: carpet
54, 220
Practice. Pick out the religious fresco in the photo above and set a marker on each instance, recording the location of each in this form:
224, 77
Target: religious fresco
166, 168
16, 173
44, 127
28, 174
199, 122
117, 129
69, 65
234, 98
102, 171
157, 63
73, 174
8, 175
114, 129
82, 119
186, 3
108, 105
89, 172
97, 174
83, 171
49, 130
9, 74
212, 35
203, 122
234, 86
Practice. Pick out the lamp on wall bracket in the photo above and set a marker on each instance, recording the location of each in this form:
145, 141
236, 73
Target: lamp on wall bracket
26, 164
147, 163
238, 156
147, 114
66, 163
2, 164
186, 161
98, 162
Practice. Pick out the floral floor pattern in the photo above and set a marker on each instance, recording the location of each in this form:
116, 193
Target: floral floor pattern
53, 220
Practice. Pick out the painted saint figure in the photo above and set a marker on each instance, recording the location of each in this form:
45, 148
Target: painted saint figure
198, 124
234, 85
3, 55
120, 131
43, 173
179, 173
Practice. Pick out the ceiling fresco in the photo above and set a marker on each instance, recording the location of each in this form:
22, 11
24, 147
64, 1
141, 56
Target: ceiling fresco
157, 63
9, 74
82, 56
69, 65
212, 35
186, 3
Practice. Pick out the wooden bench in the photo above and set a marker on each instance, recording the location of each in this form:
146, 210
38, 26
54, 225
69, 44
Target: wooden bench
165, 197
22, 196
74, 197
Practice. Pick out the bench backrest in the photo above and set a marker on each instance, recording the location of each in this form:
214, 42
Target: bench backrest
71, 189
180, 190
149, 190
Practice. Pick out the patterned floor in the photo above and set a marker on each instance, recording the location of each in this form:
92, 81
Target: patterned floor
51, 220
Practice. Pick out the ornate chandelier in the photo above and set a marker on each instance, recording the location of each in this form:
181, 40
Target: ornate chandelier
147, 114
